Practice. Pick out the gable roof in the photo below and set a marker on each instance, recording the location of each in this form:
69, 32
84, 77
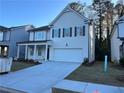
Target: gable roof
69, 9
121, 19
115, 25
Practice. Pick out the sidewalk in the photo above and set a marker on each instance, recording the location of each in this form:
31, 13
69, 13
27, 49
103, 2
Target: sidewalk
70, 86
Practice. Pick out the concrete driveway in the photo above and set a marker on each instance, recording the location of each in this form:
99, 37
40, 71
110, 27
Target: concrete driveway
40, 78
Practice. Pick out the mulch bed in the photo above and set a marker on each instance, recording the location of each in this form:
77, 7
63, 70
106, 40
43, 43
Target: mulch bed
118, 67
120, 78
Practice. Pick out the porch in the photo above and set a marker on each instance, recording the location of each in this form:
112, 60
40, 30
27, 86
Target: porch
36, 50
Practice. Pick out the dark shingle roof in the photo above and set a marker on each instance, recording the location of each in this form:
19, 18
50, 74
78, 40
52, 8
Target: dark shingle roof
40, 28
2, 28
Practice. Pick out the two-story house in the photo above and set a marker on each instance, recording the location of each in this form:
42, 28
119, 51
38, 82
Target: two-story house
9, 37
69, 38
117, 40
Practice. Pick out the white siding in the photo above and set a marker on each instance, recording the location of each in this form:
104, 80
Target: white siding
115, 44
67, 20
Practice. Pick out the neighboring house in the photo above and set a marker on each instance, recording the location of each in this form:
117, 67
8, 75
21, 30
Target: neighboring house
117, 40
9, 37
69, 38
37, 45
4, 40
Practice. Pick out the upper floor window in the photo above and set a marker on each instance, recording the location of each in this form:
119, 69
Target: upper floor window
1, 36
56, 33
67, 32
38, 35
31, 36
80, 31
41, 35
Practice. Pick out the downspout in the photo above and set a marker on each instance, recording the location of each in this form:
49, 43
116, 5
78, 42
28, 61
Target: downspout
88, 42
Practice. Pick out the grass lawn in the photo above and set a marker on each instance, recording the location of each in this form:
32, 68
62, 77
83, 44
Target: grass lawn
21, 65
95, 74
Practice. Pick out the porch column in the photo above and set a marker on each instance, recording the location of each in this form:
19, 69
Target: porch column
26, 51
46, 52
34, 51
18, 48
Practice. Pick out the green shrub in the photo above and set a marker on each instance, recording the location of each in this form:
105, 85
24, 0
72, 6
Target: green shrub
122, 61
86, 60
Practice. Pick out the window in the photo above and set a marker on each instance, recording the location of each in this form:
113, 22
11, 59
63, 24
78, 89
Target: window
40, 35
1, 36
67, 32
31, 36
39, 50
31, 50
5, 51
56, 33
80, 31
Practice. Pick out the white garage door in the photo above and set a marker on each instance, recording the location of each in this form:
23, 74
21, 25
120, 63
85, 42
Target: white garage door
68, 55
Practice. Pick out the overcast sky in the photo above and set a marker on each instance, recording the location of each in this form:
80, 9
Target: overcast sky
36, 12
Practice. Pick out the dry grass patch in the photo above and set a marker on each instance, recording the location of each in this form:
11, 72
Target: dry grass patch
22, 65
95, 74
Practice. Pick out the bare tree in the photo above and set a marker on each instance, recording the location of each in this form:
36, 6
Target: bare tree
119, 9
77, 6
